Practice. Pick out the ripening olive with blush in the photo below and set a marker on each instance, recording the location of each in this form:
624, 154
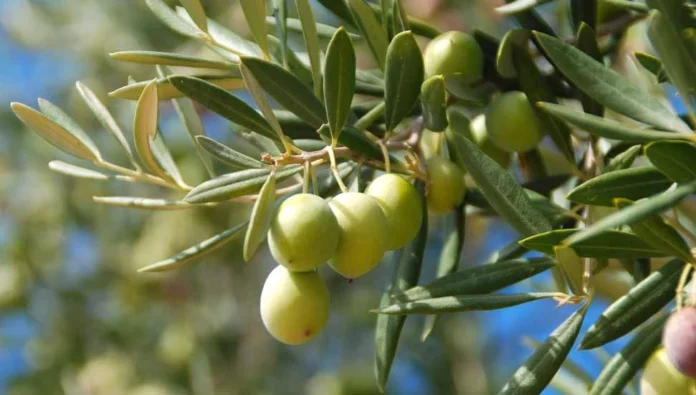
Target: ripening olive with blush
679, 340
303, 233
455, 54
512, 123
446, 185
363, 235
294, 305
401, 205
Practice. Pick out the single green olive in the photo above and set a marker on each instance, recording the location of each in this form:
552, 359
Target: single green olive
660, 377
512, 124
303, 233
446, 187
454, 53
294, 305
479, 135
363, 234
401, 205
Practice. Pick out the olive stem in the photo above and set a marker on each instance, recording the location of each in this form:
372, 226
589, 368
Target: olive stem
370, 117
334, 169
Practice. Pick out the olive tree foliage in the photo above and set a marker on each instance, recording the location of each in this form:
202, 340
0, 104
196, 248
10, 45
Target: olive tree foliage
324, 126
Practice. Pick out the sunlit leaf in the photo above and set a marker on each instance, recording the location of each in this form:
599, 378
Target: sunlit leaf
309, 31
260, 218
144, 203
236, 184
167, 91
228, 155
173, 59
634, 183
171, 19
255, 15
78, 172
462, 303
197, 13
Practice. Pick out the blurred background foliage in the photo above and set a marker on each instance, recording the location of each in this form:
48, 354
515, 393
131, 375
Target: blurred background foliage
76, 318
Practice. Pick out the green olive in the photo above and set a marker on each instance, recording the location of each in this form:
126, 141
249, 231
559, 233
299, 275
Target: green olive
512, 123
363, 235
454, 54
479, 135
294, 306
447, 187
303, 233
660, 377
401, 205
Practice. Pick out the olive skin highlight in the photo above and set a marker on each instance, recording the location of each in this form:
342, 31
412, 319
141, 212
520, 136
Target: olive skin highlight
512, 123
401, 205
446, 185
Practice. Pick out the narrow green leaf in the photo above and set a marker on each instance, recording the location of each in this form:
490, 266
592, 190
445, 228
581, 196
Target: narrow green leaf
196, 251
240, 183
294, 64
287, 90
311, 38
500, 189
194, 126
478, 280
197, 13
406, 270
606, 244
223, 103
280, 17
434, 104
325, 32
623, 160
55, 133
340, 9
371, 30
608, 128
171, 19
653, 65
257, 93
462, 303
255, 15
403, 78
60, 117
106, 119
145, 129
339, 81
144, 203
634, 183
607, 86
228, 155
172, 59
455, 228
505, 59
536, 373
654, 231
624, 365
260, 218
587, 43
636, 212
167, 91
676, 159
636, 307
78, 172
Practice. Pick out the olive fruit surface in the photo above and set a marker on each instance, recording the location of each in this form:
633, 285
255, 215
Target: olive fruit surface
454, 54
679, 340
363, 234
660, 377
479, 135
447, 187
401, 205
303, 233
512, 124
294, 305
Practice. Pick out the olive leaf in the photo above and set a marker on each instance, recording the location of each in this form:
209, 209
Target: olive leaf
339, 81
255, 15
653, 65
675, 159
260, 218
536, 373
257, 93
519, 6
171, 19
240, 183
371, 29
166, 90
144, 203
463, 303
69, 169
228, 155
434, 104
403, 75
311, 38
174, 59
197, 13
324, 32
636, 307
634, 183
196, 251
145, 130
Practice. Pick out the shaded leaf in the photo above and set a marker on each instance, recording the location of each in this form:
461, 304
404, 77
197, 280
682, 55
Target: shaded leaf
587, 43
228, 155
512, 41
633, 183
536, 373
173, 59
197, 13
607, 86
634, 308
194, 126
325, 32
196, 251
257, 93
236, 184
371, 30
260, 219
462, 303
572, 268
403, 78
339, 81
623, 160
675, 159
478, 280
144, 203
223, 103
606, 244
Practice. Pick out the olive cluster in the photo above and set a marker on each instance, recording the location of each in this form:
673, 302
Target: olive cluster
351, 232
